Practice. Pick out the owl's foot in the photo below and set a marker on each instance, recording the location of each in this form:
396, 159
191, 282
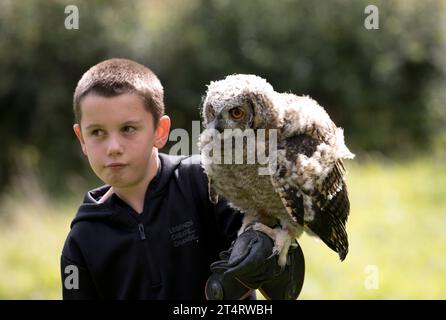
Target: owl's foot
248, 222
282, 245
281, 238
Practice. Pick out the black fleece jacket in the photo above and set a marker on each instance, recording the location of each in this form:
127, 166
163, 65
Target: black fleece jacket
162, 253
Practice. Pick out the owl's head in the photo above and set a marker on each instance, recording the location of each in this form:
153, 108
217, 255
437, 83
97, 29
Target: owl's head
239, 101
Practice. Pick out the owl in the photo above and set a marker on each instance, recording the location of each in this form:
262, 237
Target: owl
304, 187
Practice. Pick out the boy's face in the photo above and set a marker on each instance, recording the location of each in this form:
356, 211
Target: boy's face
118, 137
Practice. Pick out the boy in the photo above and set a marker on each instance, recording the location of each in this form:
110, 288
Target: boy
151, 231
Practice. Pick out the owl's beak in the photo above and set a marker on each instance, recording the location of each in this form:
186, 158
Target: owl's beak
216, 125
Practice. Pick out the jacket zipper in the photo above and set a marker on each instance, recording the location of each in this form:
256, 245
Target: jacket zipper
142, 233
155, 276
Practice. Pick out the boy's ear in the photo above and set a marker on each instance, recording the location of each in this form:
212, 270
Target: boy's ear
78, 132
162, 132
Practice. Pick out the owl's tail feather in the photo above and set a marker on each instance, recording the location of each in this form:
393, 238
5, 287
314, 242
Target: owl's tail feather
332, 232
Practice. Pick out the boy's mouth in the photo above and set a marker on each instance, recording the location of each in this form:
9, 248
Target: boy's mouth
116, 165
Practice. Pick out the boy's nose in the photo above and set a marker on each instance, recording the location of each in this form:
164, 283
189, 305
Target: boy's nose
114, 147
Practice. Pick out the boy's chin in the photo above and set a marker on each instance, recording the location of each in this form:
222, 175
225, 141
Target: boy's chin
116, 182
120, 183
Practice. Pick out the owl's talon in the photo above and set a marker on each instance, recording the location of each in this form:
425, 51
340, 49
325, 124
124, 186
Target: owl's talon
265, 229
282, 260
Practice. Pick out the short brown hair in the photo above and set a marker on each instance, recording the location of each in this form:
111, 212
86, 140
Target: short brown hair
114, 77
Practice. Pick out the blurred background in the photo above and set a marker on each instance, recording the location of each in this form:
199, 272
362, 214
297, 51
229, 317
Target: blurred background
385, 87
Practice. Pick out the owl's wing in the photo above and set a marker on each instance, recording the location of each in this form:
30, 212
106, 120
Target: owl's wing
324, 209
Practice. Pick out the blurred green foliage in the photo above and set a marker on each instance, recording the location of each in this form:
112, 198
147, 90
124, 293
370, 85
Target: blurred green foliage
386, 87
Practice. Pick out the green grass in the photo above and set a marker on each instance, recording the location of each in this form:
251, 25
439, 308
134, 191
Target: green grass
31, 240
397, 227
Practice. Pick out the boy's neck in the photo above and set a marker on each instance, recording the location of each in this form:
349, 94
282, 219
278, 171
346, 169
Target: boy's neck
135, 196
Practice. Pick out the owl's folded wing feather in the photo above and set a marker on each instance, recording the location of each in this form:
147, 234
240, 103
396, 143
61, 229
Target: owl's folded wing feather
324, 208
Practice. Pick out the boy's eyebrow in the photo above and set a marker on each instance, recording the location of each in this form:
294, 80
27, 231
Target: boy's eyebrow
93, 125
130, 122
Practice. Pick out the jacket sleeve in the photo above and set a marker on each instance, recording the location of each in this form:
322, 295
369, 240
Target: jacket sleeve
77, 283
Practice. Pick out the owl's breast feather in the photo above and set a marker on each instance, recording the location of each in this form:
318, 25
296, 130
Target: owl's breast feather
241, 185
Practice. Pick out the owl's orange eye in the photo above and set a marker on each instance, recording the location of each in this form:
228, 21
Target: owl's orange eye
236, 113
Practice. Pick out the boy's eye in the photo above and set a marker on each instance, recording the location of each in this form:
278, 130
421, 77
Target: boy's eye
128, 129
97, 132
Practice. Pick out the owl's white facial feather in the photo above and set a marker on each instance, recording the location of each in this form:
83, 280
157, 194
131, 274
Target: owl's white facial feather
231, 91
